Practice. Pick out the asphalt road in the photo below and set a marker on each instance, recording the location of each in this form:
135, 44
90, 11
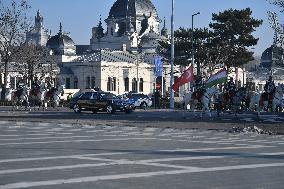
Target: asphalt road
51, 154
268, 122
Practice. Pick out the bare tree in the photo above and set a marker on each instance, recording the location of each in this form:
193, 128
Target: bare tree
36, 60
279, 3
14, 23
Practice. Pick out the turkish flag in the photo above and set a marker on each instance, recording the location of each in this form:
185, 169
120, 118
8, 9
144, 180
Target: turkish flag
186, 77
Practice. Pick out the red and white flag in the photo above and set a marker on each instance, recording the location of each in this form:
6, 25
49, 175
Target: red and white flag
186, 77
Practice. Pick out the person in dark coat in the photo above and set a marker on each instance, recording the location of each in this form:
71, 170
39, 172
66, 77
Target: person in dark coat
157, 96
269, 88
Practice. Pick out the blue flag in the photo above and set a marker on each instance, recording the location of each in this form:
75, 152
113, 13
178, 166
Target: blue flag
158, 66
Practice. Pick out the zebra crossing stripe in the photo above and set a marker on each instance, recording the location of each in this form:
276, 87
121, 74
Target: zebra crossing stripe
134, 175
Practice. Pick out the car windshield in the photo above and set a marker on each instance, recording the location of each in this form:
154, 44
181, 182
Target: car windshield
86, 96
136, 96
108, 96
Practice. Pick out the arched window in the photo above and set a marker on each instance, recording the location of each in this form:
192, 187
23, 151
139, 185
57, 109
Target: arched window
75, 83
93, 82
67, 83
111, 84
134, 84
126, 84
141, 85
108, 83
88, 81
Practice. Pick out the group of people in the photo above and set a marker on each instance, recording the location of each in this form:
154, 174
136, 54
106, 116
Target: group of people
230, 88
35, 86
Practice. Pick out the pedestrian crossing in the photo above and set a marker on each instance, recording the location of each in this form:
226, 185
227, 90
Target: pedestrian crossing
50, 155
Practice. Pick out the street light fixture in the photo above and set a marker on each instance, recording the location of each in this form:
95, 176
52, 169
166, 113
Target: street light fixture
192, 44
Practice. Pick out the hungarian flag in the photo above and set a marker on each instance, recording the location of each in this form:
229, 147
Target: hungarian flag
186, 77
218, 78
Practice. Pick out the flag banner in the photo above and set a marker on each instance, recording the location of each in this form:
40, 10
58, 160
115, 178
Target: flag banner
218, 78
158, 66
186, 77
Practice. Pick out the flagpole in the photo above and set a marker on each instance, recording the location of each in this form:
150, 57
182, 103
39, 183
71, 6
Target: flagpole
172, 100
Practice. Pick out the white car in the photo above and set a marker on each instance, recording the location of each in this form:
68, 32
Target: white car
141, 100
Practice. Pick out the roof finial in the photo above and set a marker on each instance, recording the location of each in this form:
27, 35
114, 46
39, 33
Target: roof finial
164, 31
60, 28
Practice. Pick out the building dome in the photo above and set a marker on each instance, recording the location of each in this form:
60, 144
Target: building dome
272, 56
58, 40
61, 44
136, 8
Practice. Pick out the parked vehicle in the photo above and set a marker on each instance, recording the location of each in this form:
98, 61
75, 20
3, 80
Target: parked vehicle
140, 100
100, 102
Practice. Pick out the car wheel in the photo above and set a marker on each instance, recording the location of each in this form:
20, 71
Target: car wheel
128, 111
110, 109
76, 108
95, 111
143, 105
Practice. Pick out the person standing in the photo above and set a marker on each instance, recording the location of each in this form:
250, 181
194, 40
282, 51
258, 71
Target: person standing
269, 88
231, 89
199, 88
157, 96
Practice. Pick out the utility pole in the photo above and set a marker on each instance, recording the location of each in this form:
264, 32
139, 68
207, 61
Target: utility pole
172, 100
192, 44
137, 72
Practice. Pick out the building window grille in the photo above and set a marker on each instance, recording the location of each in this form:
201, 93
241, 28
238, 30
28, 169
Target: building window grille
88, 81
108, 83
68, 86
141, 85
75, 83
134, 85
126, 84
93, 82
111, 84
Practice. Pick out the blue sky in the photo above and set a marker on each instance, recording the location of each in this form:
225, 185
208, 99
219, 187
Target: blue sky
79, 16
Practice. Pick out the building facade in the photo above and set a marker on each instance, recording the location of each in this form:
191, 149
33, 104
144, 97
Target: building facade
120, 58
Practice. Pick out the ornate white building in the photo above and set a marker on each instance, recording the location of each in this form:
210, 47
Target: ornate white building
119, 60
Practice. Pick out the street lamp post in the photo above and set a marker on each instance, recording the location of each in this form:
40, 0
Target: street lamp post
137, 73
172, 101
192, 44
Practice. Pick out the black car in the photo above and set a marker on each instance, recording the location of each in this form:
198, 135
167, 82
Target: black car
100, 101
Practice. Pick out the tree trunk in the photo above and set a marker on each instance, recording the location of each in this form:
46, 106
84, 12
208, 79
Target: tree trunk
4, 87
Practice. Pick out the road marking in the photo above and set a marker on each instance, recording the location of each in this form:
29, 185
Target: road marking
9, 135
59, 157
133, 175
76, 141
9, 171
221, 148
182, 159
150, 162
59, 137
